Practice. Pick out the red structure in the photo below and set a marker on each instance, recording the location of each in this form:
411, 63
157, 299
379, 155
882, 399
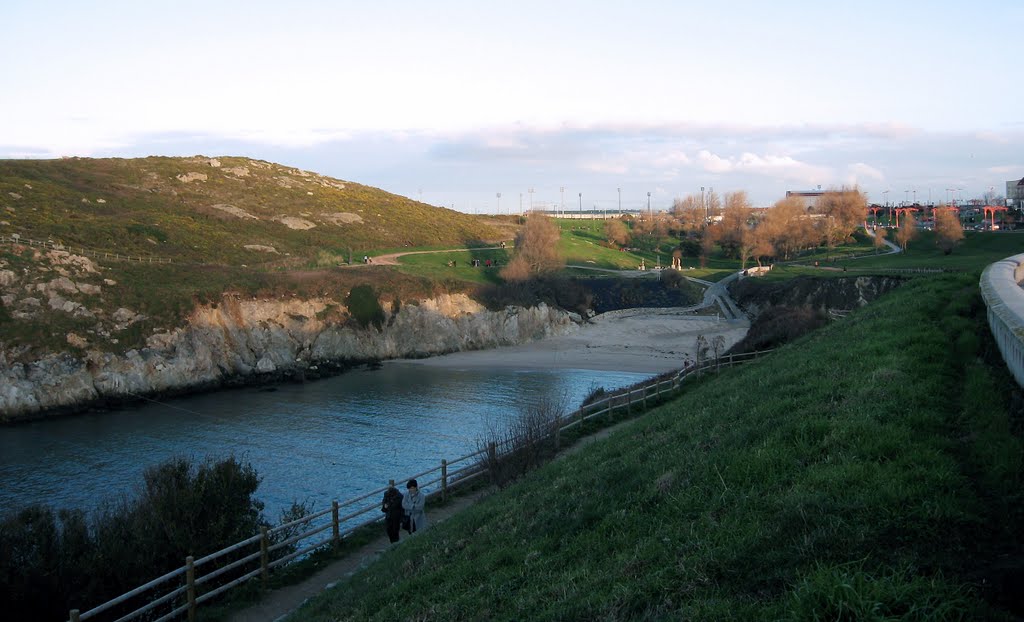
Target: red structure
904, 210
874, 211
990, 211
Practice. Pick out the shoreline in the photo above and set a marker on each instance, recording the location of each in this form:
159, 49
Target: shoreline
646, 343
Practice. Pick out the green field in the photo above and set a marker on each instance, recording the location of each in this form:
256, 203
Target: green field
972, 254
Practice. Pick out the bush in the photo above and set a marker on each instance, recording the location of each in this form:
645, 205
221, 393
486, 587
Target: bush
53, 562
525, 445
364, 307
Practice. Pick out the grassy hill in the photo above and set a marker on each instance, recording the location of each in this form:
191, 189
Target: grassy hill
870, 471
226, 224
209, 210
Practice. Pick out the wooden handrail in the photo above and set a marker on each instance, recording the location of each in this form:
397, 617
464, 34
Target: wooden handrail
448, 478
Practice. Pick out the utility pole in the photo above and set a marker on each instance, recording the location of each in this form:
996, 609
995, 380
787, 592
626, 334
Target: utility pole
531, 198
649, 212
581, 206
704, 205
561, 191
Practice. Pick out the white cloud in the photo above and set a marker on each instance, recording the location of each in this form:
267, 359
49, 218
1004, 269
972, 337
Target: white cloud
859, 172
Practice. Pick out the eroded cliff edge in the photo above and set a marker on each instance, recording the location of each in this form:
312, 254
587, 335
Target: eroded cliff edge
237, 341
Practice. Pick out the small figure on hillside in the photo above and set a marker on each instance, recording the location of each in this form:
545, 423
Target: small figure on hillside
413, 503
392, 508
366, 259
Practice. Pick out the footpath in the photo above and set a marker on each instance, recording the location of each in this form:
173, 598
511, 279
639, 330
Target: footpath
280, 603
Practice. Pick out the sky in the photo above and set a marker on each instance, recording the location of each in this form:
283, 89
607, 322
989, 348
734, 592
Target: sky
453, 102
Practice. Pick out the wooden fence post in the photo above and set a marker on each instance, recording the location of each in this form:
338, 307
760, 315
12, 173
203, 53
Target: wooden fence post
492, 456
336, 533
264, 555
629, 402
558, 431
643, 396
583, 413
190, 580
444, 479
73, 616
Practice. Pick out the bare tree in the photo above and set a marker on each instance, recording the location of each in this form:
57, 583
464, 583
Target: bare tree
880, 233
735, 222
907, 230
616, 232
536, 250
948, 230
844, 211
688, 214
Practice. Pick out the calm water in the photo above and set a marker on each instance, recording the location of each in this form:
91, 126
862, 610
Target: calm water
331, 439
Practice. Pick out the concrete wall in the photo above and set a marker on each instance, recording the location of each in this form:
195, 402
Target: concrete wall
1004, 297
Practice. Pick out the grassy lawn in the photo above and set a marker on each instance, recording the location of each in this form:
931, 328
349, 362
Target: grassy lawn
867, 471
436, 266
972, 254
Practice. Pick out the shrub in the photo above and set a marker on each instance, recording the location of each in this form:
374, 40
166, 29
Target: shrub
364, 307
525, 445
52, 562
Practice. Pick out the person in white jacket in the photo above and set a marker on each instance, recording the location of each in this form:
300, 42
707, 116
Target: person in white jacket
413, 503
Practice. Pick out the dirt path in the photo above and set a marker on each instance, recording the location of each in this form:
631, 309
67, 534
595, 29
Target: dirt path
277, 605
391, 259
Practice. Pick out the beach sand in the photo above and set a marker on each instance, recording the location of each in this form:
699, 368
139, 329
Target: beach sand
639, 341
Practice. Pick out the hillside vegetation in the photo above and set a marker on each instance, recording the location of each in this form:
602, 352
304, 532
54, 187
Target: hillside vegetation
227, 225
225, 210
869, 471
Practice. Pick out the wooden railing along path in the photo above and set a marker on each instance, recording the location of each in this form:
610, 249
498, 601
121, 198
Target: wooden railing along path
182, 590
78, 250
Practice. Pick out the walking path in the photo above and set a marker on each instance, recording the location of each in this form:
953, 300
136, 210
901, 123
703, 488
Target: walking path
278, 604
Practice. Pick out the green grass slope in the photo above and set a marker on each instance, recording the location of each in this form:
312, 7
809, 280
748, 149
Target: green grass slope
207, 210
866, 472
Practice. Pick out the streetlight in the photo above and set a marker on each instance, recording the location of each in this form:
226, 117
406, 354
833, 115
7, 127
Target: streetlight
649, 213
581, 206
705, 205
499, 203
906, 197
620, 201
531, 198
561, 190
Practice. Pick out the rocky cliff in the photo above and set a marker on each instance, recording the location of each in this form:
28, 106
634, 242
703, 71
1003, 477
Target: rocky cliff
754, 295
237, 341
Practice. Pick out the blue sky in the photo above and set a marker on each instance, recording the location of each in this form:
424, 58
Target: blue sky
452, 102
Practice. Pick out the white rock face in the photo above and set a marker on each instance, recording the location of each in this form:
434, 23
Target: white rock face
239, 338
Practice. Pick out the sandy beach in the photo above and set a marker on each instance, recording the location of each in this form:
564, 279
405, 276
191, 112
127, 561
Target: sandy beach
640, 341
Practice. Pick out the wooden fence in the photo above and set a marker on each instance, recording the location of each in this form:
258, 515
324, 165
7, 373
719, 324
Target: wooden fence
183, 589
16, 239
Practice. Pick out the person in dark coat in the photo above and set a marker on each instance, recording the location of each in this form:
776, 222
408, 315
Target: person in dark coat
392, 508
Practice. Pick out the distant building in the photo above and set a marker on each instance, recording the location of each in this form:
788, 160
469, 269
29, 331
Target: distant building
1015, 193
809, 197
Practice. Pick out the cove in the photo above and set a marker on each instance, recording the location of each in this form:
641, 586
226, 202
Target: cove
335, 438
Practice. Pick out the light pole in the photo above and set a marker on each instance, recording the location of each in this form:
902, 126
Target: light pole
885, 193
649, 213
620, 201
704, 205
561, 191
906, 197
499, 203
581, 206
531, 198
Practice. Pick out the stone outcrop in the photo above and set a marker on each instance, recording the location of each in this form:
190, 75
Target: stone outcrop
240, 341
831, 294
